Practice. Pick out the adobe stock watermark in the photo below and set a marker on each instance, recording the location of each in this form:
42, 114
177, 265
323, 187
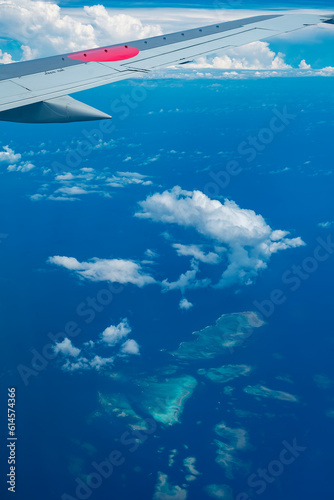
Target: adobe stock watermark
130, 440
292, 279
249, 150
262, 478
92, 139
86, 311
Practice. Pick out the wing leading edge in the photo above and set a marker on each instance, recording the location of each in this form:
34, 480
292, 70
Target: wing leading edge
37, 91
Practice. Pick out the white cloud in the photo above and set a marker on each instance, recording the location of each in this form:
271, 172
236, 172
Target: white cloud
66, 348
130, 346
43, 28
37, 197
185, 304
5, 58
249, 241
79, 364
186, 280
72, 190
186, 73
196, 252
120, 26
114, 334
254, 56
98, 355
122, 179
68, 176
303, 65
113, 270
67, 262
23, 167
9, 155
98, 362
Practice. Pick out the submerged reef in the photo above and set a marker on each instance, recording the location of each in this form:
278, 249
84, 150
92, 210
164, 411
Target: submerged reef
166, 491
225, 373
120, 407
265, 392
164, 399
219, 491
229, 331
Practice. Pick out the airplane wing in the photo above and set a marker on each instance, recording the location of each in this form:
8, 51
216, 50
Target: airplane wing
38, 91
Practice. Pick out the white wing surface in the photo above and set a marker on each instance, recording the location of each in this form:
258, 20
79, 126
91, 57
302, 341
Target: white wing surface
38, 91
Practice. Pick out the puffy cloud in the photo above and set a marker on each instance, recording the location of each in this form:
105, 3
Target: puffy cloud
113, 270
303, 65
196, 252
120, 26
72, 190
68, 176
122, 179
190, 72
5, 58
66, 348
78, 365
67, 262
186, 280
248, 241
130, 346
98, 362
9, 155
101, 354
185, 304
43, 28
23, 167
114, 334
255, 56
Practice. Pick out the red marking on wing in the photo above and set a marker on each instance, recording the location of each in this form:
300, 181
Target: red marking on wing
107, 54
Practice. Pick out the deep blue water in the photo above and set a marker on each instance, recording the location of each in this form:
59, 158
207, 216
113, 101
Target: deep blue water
55, 411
